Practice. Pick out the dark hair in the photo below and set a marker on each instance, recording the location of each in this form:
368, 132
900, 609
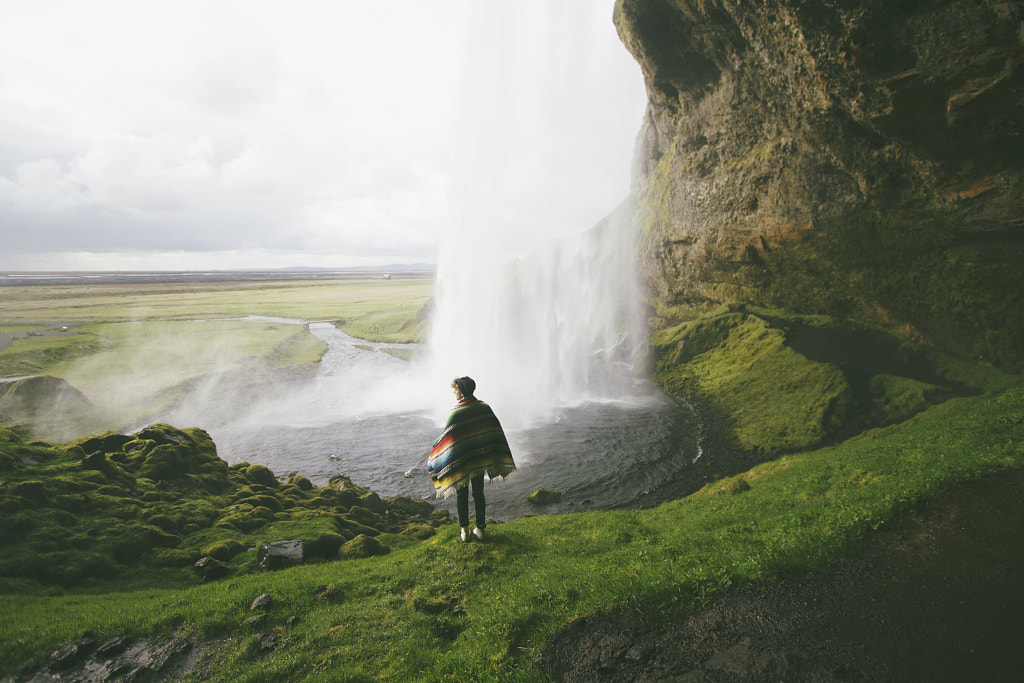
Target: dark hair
466, 386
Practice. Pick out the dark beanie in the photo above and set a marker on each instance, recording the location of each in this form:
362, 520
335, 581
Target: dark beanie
466, 386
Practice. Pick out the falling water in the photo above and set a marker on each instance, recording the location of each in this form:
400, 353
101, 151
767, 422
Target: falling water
536, 297
541, 311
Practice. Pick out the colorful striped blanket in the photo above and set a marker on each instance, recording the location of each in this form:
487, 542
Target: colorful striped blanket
472, 443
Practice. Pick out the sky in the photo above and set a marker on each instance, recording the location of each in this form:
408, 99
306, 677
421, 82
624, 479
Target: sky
221, 134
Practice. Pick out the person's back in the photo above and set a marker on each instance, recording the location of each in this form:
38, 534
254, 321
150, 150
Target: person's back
472, 444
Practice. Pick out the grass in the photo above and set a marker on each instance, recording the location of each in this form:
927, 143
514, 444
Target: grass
441, 610
302, 299
133, 350
437, 609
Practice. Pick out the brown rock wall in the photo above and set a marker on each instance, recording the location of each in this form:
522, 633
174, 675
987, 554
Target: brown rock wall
844, 157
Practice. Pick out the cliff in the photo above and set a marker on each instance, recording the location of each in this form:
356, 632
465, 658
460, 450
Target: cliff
856, 158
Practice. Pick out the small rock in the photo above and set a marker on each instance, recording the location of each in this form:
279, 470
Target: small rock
261, 601
291, 621
279, 554
267, 640
412, 472
362, 546
70, 653
255, 619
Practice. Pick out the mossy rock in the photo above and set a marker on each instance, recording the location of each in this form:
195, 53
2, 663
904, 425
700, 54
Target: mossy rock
420, 532
770, 398
225, 550
262, 501
260, 474
365, 516
108, 442
163, 462
31, 490
325, 546
362, 546
300, 482
7, 462
408, 506
371, 501
9, 435
172, 557
347, 524
71, 502
164, 523
544, 497
900, 398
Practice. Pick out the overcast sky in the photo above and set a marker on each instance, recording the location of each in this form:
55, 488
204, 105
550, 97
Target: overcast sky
217, 134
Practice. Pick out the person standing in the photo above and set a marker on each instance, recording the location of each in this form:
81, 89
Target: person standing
472, 444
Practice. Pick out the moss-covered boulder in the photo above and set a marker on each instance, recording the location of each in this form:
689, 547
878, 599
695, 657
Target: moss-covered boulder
362, 546
162, 498
544, 496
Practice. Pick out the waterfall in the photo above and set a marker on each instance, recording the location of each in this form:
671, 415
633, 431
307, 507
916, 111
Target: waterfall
536, 298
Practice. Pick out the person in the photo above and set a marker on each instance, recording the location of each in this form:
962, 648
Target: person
472, 444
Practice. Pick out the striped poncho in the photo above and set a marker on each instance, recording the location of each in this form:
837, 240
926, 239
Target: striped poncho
472, 443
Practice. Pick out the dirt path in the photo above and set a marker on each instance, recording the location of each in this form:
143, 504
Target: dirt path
937, 596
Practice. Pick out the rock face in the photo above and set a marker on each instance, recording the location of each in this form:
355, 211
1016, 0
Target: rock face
860, 158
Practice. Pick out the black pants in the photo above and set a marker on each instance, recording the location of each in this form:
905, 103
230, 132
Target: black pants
462, 501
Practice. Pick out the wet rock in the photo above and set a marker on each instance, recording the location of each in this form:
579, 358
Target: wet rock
544, 497
279, 554
412, 472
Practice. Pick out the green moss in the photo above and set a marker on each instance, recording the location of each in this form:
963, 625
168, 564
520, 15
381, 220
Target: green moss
260, 474
772, 399
224, 550
780, 382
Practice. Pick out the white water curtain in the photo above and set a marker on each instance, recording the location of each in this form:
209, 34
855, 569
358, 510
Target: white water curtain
533, 301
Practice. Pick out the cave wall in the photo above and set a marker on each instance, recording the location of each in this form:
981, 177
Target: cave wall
858, 158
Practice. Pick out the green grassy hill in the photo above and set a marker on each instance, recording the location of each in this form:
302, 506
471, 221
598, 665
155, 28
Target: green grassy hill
438, 609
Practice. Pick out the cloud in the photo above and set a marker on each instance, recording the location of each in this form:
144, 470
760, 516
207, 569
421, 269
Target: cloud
267, 130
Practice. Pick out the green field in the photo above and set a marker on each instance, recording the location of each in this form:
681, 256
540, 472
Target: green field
341, 299
131, 349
